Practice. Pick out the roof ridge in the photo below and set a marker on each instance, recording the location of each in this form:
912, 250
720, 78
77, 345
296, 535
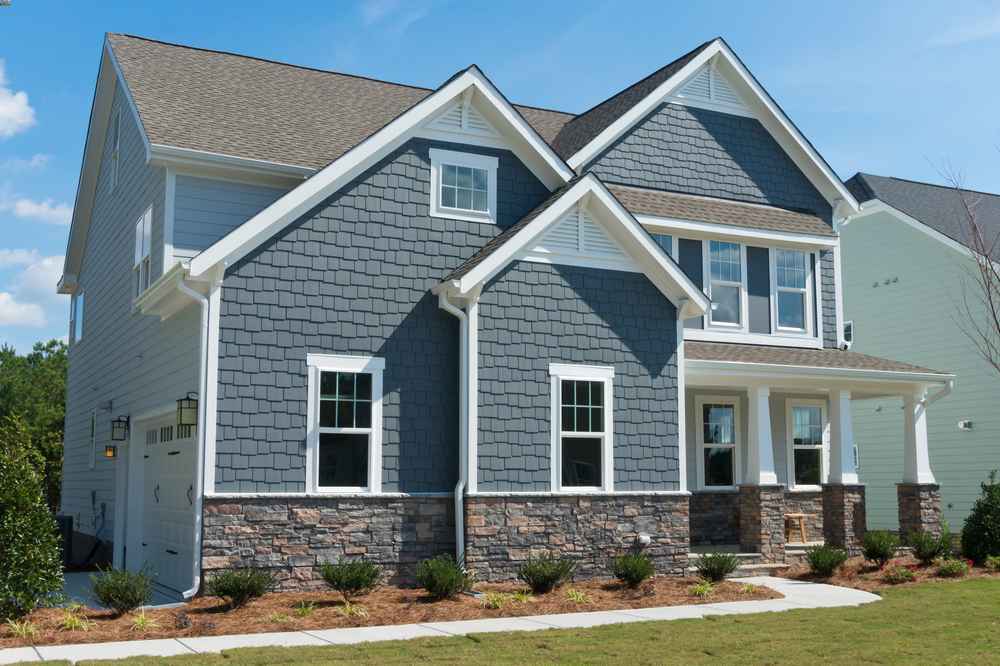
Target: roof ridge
316, 69
925, 183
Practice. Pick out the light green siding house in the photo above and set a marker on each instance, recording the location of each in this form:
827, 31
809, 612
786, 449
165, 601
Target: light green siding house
905, 269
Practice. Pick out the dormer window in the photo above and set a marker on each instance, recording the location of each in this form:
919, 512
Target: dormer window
143, 239
463, 186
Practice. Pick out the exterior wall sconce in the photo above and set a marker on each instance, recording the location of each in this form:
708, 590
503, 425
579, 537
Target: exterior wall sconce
119, 430
111, 451
187, 410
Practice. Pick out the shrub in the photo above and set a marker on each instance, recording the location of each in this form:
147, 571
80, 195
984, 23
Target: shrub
352, 610
352, 577
29, 550
952, 568
927, 547
24, 629
825, 560
703, 590
142, 623
632, 568
981, 533
443, 577
545, 573
879, 546
577, 596
72, 619
748, 588
305, 608
716, 566
897, 574
239, 586
495, 600
121, 591
993, 563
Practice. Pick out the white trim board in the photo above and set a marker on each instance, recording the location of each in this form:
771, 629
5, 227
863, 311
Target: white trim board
707, 230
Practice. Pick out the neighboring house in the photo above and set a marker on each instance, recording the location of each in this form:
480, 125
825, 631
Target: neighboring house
907, 274
343, 316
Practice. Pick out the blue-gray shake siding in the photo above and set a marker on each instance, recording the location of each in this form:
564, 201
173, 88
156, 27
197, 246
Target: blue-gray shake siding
353, 276
534, 314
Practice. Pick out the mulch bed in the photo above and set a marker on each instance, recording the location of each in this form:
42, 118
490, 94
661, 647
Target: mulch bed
862, 575
209, 616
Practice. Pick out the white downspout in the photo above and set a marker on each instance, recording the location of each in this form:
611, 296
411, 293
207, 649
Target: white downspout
463, 441
199, 471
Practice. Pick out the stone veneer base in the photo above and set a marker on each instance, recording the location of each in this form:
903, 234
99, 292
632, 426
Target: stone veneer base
844, 517
919, 508
762, 521
502, 531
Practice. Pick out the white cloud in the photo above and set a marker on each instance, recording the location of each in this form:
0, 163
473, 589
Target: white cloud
47, 211
10, 258
37, 282
16, 114
394, 16
18, 164
971, 30
15, 313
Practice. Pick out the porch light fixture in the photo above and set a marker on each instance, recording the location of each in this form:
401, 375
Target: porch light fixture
111, 451
119, 429
187, 410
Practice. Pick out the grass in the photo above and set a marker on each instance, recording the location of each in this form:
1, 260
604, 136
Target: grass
939, 622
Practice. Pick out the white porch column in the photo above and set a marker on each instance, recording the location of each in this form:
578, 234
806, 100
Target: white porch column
760, 451
916, 459
842, 469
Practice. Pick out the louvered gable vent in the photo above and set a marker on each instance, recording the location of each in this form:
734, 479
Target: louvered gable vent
463, 118
577, 236
709, 86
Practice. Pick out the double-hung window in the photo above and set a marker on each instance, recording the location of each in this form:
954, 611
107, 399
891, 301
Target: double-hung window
463, 185
718, 442
806, 427
345, 421
582, 420
791, 290
726, 283
76, 318
141, 263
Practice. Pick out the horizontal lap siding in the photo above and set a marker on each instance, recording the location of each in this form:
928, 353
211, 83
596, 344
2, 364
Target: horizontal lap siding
353, 276
534, 314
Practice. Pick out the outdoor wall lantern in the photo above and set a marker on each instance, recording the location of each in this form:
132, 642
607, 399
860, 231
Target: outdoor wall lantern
187, 410
111, 451
119, 430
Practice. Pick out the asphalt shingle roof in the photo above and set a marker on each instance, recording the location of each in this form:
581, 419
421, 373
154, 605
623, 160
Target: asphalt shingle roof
938, 206
816, 358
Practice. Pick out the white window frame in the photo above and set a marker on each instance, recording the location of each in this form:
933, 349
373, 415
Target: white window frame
808, 293
790, 405
116, 142
141, 262
439, 158
673, 241
317, 364
93, 438
591, 373
77, 307
700, 445
743, 325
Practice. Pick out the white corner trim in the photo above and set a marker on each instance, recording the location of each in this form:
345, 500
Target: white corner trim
682, 480
575, 371
838, 290
169, 202
707, 230
487, 163
212, 382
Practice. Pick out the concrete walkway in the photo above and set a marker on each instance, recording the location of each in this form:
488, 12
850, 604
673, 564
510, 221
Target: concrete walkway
798, 594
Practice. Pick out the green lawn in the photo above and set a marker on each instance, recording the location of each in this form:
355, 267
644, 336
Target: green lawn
940, 623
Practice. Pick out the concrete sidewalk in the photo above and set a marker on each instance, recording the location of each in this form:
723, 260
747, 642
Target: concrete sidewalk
798, 594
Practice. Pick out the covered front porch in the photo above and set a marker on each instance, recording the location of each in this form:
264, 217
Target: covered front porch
771, 458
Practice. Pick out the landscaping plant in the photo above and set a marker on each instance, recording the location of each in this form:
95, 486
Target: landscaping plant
72, 619
30, 554
120, 590
703, 589
142, 623
993, 563
352, 577
825, 560
495, 600
897, 574
443, 577
952, 568
632, 568
928, 547
879, 546
546, 572
239, 586
304, 608
577, 596
24, 629
716, 566
981, 533
352, 610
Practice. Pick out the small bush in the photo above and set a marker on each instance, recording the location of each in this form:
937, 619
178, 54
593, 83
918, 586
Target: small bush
632, 568
521, 596
239, 586
577, 596
825, 560
120, 590
443, 577
716, 566
495, 600
952, 568
703, 590
352, 610
879, 546
981, 533
748, 588
993, 563
73, 620
545, 573
23, 629
897, 574
279, 618
352, 577
304, 608
142, 623
928, 547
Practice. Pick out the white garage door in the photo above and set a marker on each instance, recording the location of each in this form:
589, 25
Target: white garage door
168, 503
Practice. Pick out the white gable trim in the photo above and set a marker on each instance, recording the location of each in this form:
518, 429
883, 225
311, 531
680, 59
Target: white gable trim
756, 98
527, 145
626, 231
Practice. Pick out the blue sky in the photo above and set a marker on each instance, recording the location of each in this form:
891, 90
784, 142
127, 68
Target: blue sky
895, 88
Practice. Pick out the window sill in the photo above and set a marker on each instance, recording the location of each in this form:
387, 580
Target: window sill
805, 489
718, 489
465, 215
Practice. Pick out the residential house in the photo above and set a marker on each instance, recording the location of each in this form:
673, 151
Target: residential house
341, 316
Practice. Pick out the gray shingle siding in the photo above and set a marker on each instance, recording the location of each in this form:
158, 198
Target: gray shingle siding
353, 276
137, 362
697, 151
535, 314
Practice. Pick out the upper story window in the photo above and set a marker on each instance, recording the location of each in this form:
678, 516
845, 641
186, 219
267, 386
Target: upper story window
727, 283
143, 239
116, 137
345, 404
583, 424
791, 290
76, 318
666, 243
806, 428
463, 186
